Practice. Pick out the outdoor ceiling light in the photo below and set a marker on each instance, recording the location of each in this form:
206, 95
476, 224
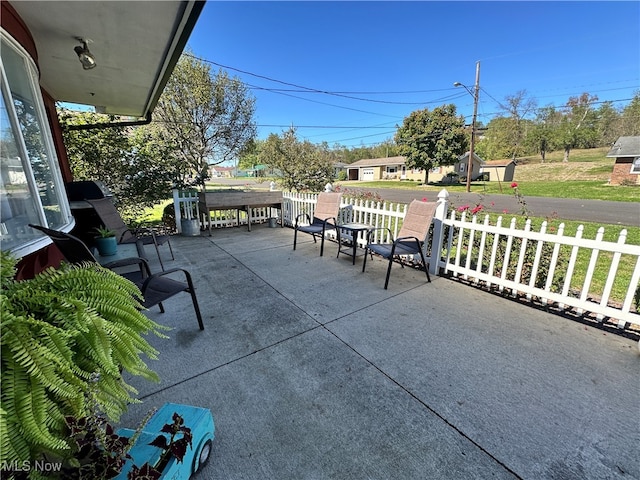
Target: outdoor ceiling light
86, 58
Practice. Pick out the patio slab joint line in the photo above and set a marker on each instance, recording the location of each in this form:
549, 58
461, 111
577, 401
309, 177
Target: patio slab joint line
230, 362
425, 405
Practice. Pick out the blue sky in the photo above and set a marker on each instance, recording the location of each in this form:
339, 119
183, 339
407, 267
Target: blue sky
306, 61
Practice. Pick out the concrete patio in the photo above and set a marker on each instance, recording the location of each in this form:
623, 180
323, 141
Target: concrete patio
313, 371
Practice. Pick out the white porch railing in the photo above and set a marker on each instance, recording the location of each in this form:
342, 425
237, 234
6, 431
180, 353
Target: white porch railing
376, 214
515, 261
185, 205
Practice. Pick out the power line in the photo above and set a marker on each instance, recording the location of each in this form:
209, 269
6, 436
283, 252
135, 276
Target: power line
333, 105
348, 94
389, 102
295, 88
300, 88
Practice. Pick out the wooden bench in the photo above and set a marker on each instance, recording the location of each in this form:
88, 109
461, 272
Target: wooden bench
239, 200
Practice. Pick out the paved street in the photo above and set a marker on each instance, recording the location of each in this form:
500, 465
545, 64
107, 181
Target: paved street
597, 211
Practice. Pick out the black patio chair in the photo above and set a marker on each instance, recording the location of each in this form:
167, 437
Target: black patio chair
111, 219
326, 211
155, 288
410, 241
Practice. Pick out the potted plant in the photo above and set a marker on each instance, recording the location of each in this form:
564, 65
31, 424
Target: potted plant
106, 241
64, 333
161, 447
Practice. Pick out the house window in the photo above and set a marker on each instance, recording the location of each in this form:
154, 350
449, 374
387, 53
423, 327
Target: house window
31, 186
635, 165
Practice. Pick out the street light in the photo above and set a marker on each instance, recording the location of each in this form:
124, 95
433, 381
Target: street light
474, 94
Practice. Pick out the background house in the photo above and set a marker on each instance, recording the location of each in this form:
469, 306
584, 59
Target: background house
339, 167
389, 168
218, 171
626, 170
394, 168
498, 170
462, 165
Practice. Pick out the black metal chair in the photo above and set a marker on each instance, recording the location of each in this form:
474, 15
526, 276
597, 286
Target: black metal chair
326, 211
410, 241
111, 219
155, 288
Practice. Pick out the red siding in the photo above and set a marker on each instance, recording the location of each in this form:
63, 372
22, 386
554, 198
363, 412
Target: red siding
48, 256
622, 172
14, 25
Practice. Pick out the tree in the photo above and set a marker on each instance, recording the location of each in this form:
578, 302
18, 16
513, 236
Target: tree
209, 117
388, 148
543, 136
517, 108
430, 139
302, 165
136, 169
608, 124
578, 125
630, 119
249, 156
497, 139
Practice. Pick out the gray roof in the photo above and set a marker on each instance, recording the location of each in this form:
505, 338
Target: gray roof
465, 157
625, 147
378, 162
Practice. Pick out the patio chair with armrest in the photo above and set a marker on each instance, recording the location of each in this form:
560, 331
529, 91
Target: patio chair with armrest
111, 219
326, 211
155, 288
411, 238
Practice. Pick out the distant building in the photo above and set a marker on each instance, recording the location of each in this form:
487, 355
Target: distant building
339, 167
462, 166
498, 170
217, 171
626, 170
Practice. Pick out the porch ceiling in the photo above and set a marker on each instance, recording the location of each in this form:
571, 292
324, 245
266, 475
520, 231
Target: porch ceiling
135, 44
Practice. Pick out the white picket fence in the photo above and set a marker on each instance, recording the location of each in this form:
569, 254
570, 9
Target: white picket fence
540, 265
376, 214
185, 205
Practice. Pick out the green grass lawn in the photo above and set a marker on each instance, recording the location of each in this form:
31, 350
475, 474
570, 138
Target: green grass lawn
586, 190
584, 176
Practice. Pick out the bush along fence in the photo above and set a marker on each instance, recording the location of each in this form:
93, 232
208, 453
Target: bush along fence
549, 267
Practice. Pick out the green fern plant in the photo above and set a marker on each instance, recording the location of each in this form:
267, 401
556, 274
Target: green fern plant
59, 332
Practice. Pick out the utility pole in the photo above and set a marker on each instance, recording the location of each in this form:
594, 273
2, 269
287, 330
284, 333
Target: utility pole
475, 94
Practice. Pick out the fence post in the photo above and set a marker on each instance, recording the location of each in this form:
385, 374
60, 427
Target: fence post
176, 209
438, 231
